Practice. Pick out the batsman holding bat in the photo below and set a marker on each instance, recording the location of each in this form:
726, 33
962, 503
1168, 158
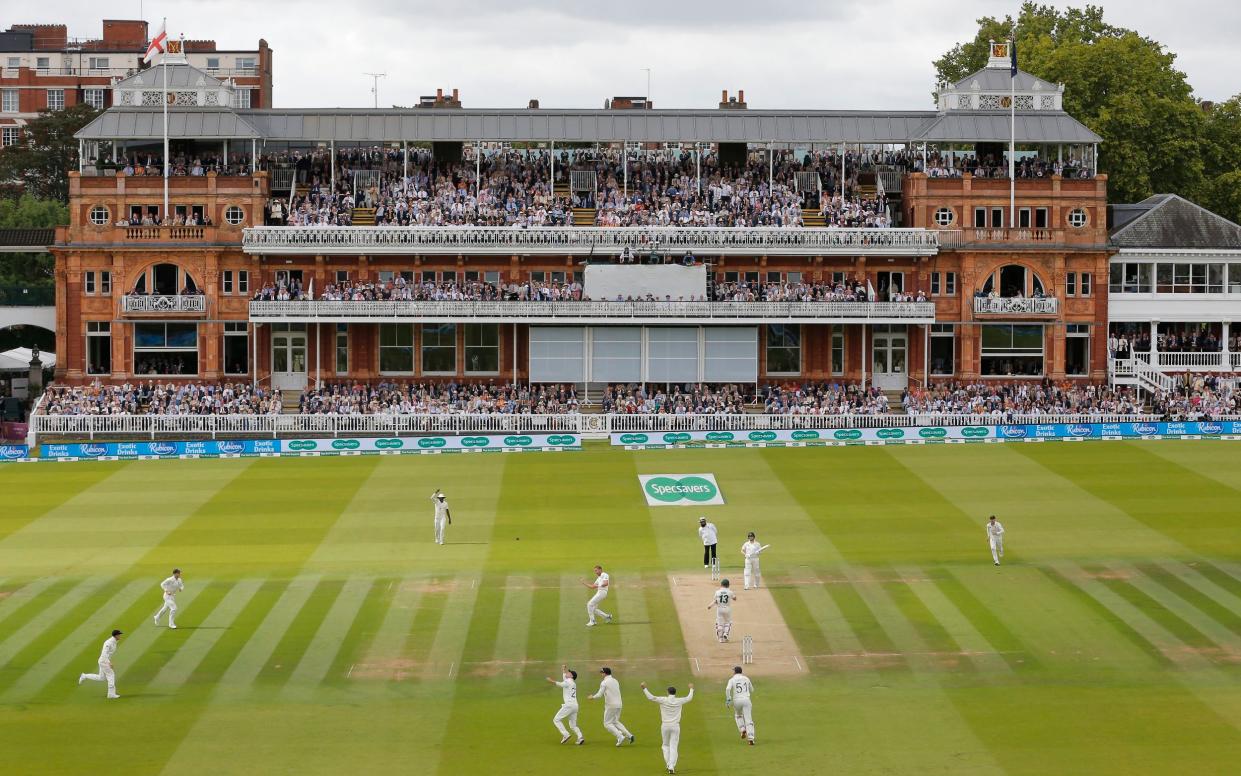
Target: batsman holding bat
750, 551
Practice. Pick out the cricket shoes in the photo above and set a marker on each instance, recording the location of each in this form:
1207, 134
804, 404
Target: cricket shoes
631, 738
565, 739
155, 620
997, 563
590, 625
81, 678
173, 627
581, 741
608, 617
751, 742
743, 735
113, 697
620, 741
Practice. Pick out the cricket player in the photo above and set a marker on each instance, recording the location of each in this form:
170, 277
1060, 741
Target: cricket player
568, 705
609, 690
442, 516
171, 587
600, 586
670, 716
709, 536
995, 535
722, 600
737, 695
106, 674
750, 551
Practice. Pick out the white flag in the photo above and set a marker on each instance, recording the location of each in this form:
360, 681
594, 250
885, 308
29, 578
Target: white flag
159, 44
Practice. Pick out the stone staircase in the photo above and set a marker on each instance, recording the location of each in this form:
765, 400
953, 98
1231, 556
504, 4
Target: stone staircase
894, 402
584, 216
812, 217
364, 216
290, 401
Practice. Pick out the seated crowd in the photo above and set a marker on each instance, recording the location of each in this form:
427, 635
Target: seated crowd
847, 291
998, 400
822, 399
1198, 397
635, 399
156, 398
400, 398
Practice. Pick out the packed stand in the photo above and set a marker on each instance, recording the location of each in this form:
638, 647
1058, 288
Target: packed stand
1199, 397
846, 291
822, 399
689, 399
943, 165
1002, 400
156, 398
452, 398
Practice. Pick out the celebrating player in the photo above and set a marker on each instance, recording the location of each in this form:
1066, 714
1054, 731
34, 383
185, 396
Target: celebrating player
106, 674
750, 551
722, 601
737, 695
600, 586
609, 690
568, 705
171, 587
670, 718
995, 536
442, 516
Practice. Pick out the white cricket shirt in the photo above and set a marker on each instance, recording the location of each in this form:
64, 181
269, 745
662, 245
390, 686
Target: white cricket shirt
669, 706
708, 534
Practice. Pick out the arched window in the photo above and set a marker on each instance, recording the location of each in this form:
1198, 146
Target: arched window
166, 279
1013, 280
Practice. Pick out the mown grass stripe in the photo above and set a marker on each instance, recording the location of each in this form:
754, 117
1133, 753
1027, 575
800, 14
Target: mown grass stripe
384, 657
165, 642
509, 649
363, 629
480, 639
986, 621
1213, 572
635, 628
837, 636
543, 634
41, 620
57, 656
958, 627
327, 640
299, 633
660, 608
444, 658
237, 635
423, 629
259, 648
17, 609
902, 633
1168, 619
861, 620
1066, 578
806, 630
931, 632
1193, 616
575, 637
201, 637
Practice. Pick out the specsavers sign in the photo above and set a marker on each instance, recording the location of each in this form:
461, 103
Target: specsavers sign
680, 490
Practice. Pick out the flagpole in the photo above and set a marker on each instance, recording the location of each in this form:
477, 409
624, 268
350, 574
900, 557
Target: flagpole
164, 65
1012, 134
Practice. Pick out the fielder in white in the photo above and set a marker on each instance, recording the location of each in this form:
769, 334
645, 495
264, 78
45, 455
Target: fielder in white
737, 695
609, 690
568, 705
670, 717
106, 674
722, 600
995, 536
442, 516
600, 586
750, 551
171, 587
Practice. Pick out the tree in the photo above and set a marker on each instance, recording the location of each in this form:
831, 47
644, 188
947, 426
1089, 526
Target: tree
1122, 85
29, 270
48, 151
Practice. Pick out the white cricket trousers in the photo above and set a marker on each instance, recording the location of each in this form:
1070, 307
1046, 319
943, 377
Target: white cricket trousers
440, 522
744, 715
672, 737
106, 674
592, 606
997, 548
567, 711
612, 723
723, 622
753, 573
170, 606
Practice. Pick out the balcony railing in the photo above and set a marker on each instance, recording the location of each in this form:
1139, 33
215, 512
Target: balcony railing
165, 233
1018, 306
164, 303
635, 312
1217, 361
600, 241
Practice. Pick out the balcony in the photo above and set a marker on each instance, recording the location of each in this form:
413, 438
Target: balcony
165, 233
595, 312
1016, 306
580, 241
163, 303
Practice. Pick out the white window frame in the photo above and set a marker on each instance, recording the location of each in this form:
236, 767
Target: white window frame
96, 98
61, 99
10, 101
226, 281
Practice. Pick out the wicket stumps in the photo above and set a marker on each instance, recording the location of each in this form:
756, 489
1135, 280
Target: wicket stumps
747, 649
715, 568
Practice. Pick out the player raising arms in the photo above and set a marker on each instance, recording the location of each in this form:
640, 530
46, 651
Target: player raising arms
442, 516
601, 587
568, 705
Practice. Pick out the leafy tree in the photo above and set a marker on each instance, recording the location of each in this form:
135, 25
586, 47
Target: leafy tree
48, 151
29, 270
1122, 85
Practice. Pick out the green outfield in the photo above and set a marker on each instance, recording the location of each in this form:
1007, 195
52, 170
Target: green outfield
322, 631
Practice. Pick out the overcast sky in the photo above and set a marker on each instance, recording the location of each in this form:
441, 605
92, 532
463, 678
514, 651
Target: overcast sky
827, 54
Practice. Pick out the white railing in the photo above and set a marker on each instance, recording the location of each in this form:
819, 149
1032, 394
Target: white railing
159, 303
560, 311
1016, 306
592, 425
1190, 362
600, 241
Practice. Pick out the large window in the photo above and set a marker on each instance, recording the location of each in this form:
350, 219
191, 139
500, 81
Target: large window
783, 349
1190, 278
342, 348
236, 348
9, 136
482, 348
8, 100
1012, 350
165, 348
838, 350
93, 98
98, 348
1130, 278
55, 99
943, 349
439, 348
1077, 349
396, 348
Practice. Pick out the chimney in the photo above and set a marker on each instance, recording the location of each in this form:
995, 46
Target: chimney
741, 96
723, 96
439, 95
455, 98
532, 105
732, 103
